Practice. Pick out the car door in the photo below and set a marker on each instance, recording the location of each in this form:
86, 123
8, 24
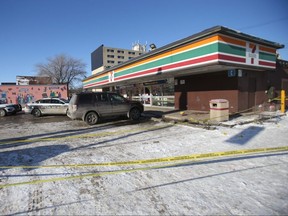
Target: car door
43, 105
58, 107
120, 105
103, 104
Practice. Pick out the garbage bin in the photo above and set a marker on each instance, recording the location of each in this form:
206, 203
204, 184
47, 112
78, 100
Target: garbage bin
219, 110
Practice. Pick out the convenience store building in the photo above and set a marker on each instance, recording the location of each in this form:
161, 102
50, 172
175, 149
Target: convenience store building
216, 63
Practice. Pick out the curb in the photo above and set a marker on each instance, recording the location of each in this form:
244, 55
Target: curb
212, 125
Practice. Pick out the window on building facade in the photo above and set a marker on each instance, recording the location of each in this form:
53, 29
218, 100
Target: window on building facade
110, 50
119, 62
109, 61
131, 53
120, 57
120, 51
110, 56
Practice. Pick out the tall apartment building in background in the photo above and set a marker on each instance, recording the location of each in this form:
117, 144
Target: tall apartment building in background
105, 57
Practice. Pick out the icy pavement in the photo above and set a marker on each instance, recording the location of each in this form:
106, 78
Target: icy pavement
250, 184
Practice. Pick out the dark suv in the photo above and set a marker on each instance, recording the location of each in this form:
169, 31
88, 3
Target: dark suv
90, 106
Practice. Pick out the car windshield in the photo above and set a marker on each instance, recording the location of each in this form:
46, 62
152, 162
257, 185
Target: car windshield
116, 97
43, 101
64, 100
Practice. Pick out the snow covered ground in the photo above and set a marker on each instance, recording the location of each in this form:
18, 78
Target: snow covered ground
253, 184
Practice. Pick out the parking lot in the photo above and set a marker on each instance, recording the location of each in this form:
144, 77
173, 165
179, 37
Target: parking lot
55, 166
21, 118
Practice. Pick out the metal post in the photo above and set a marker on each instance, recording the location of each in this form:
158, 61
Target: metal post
283, 101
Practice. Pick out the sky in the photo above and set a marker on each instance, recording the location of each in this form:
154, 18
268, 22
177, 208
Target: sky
31, 31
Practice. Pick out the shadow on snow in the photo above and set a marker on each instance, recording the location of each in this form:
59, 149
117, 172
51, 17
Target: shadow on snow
211, 162
106, 124
34, 156
245, 136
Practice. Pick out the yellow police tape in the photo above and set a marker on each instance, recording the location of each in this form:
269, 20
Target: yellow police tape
186, 158
79, 176
158, 160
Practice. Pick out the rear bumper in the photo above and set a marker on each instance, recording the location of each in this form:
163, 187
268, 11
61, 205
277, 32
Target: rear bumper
71, 115
27, 110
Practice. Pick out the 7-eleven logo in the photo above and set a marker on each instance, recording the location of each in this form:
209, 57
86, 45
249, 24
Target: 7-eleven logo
111, 76
252, 53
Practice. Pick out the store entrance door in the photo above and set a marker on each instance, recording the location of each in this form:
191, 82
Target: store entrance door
147, 96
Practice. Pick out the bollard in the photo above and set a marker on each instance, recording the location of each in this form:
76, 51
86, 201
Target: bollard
283, 101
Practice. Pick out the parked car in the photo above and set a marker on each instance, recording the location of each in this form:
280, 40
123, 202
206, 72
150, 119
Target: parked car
9, 109
47, 106
91, 106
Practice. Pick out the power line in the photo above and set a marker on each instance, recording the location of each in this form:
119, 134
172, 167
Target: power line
263, 24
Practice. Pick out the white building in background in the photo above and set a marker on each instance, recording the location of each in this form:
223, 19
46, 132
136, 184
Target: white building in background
105, 57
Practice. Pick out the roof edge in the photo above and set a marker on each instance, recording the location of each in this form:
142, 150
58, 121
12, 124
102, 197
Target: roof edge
199, 35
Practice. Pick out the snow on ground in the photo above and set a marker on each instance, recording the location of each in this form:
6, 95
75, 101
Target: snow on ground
253, 184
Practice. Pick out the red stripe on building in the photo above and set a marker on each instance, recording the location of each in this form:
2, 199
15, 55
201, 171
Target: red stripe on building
270, 64
96, 83
231, 58
168, 67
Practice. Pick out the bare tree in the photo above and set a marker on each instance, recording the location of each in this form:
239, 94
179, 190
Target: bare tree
63, 69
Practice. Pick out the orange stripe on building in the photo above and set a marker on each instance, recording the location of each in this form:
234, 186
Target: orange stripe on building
266, 49
94, 78
172, 52
232, 40
181, 49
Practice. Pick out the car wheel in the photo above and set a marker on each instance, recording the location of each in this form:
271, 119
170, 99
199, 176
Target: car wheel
2, 112
91, 118
135, 114
36, 113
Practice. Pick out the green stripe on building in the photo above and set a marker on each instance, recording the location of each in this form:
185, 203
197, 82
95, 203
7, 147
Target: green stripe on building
212, 48
267, 56
231, 49
195, 53
96, 80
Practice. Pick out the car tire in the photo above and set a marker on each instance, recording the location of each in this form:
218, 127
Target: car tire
135, 114
36, 113
2, 112
91, 118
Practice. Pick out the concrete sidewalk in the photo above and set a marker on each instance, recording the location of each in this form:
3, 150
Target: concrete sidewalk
202, 118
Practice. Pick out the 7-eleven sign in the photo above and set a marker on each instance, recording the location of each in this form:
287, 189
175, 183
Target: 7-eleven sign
111, 76
252, 53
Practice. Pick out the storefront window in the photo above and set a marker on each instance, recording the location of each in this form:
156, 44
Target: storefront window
155, 93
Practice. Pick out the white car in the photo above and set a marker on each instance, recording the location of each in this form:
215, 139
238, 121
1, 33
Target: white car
9, 109
47, 106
